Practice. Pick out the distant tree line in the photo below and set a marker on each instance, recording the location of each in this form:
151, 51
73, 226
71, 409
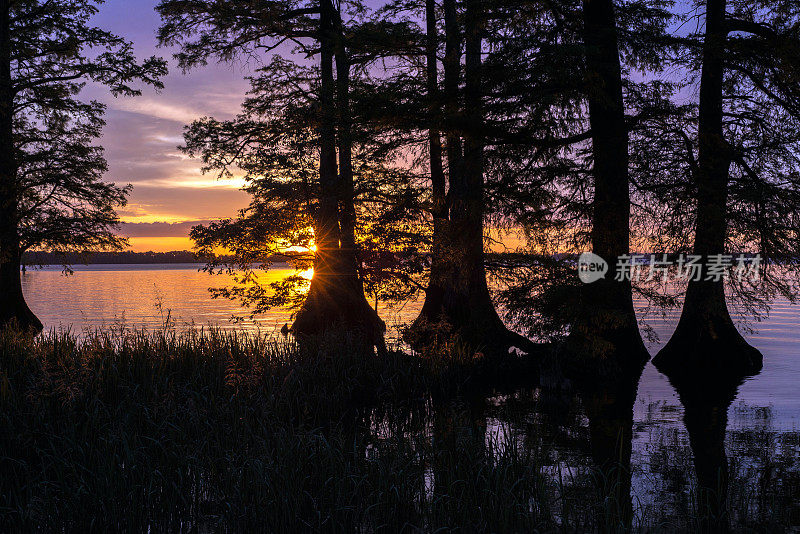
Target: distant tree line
117, 257
34, 258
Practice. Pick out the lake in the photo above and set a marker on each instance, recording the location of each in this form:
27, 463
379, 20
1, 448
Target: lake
763, 412
141, 295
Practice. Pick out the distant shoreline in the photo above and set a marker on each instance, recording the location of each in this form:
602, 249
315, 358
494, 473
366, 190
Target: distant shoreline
36, 258
109, 258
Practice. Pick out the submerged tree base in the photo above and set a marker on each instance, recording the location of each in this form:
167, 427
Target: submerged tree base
22, 319
714, 342
607, 348
468, 321
14, 311
604, 335
335, 309
16, 314
437, 333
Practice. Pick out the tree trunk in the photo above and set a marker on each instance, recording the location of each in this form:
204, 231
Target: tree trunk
705, 329
466, 209
13, 308
464, 306
439, 208
363, 315
336, 297
607, 324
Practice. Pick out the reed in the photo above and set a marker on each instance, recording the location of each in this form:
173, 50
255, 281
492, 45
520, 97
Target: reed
211, 430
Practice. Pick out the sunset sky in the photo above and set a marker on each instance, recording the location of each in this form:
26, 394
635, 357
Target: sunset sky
170, 194
142, 134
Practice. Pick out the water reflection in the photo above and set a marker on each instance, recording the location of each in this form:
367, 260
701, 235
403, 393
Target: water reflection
608, 403
706, 391
590, 455
566, 453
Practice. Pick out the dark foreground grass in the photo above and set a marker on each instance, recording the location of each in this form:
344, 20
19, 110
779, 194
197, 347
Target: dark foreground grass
213, 431
228, 432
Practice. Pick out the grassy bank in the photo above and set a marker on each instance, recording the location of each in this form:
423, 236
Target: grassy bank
219, 431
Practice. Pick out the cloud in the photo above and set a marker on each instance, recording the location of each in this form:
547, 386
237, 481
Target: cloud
167, 184
150, 107
176, 204
142, 134
195, 182
159, 229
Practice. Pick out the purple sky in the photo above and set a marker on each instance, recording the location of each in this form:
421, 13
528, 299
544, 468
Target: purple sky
142, 134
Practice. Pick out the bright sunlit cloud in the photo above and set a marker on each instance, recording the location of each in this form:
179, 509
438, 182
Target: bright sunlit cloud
159, 244
208, 182
150, 106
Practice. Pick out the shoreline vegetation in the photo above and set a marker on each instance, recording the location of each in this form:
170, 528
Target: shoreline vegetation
36, 258
221, 431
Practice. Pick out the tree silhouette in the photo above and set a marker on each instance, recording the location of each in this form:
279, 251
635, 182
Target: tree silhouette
299, 117
561, 163
458, 294
544, 116
743, 178
608, 314
51, 191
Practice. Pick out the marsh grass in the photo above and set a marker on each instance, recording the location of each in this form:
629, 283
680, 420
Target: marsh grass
224, 431
207, 430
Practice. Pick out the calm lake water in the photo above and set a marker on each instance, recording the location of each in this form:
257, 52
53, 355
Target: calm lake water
763, 412
98, 296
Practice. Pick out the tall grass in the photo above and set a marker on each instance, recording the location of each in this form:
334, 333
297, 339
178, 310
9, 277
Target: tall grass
167, 431
222, 431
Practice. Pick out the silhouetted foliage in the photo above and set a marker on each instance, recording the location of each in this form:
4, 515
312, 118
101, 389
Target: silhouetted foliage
565, 122
323, 183
738, 167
